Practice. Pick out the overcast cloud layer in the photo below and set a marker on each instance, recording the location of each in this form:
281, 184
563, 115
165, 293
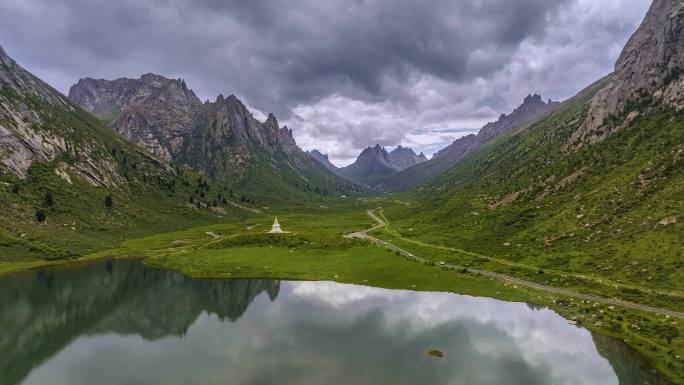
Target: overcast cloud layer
344, 74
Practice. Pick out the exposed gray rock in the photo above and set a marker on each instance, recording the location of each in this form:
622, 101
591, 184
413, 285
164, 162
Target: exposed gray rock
32, 129
23, 140
649, 69
153, 111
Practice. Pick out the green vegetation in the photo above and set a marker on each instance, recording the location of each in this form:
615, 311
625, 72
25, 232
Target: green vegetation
599, 218
602, 217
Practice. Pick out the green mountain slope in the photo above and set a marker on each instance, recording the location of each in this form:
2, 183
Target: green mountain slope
70, 185
568, 194
611, 207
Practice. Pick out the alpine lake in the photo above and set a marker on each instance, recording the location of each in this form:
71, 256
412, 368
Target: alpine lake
123, 322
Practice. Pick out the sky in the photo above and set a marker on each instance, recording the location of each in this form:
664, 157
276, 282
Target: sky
343, 74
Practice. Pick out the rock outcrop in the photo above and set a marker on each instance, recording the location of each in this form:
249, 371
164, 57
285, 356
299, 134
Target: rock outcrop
649, 69
33, 128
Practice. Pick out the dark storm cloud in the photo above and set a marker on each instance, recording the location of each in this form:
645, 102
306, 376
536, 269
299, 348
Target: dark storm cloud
414, 63
304, 49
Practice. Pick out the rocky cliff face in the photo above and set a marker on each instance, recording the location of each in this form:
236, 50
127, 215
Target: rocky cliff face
648, 70
532, 108
221, 139
35, 127
375, 164
323, 159
153, 111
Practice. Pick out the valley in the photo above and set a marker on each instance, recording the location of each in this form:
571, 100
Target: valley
569, 212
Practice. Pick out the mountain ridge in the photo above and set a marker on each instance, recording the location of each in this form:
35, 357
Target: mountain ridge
323, 159
531, 108
221, 139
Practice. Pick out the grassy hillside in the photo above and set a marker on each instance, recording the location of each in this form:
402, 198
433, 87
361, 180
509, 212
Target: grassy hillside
60, 209
602, 218
610, 209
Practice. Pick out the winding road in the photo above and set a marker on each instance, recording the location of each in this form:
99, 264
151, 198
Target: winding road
608, 301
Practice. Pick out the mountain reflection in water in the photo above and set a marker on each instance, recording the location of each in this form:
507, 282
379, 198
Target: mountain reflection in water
114, 322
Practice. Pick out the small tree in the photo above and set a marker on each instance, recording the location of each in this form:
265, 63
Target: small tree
15, 189
109, 201
49, 201
40, 216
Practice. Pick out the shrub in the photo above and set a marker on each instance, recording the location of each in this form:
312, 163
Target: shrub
49, 201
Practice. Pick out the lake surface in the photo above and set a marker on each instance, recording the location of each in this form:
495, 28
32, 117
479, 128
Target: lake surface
120, 322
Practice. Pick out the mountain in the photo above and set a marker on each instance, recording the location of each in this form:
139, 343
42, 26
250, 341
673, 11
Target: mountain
152, 111
323, 159
375, 164
402, 158
648, 71
592, 188
221, 139
69, 184
532, 108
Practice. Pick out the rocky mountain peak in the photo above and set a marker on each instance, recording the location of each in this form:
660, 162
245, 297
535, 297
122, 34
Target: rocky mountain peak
531, 108
536, 98
272, 122
402, 158
323, 159
154, 80
376, 163
649, 68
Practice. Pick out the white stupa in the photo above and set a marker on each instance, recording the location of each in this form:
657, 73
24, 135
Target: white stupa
275, 229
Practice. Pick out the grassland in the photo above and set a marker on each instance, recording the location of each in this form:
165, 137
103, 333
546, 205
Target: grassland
316, 250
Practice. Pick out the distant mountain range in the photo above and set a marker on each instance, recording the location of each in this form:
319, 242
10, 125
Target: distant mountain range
532, 108
375, 164
403, 169
220, 139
